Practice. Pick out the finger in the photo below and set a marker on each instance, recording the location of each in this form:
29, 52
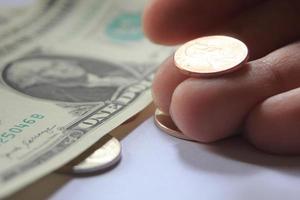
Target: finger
174, 21
211, 109
166, 80
274, 125
266, 27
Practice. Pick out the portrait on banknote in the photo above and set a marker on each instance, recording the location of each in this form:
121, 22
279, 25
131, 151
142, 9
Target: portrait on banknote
67, 78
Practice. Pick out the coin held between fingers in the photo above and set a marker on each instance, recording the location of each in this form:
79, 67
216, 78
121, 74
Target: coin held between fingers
211, 56
205, 57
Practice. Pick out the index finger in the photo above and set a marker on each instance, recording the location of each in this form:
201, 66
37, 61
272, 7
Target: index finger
175, 21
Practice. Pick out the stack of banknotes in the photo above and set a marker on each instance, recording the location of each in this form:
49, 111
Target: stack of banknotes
71, 71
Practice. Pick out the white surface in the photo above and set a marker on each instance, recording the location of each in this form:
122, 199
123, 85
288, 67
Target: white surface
158, 166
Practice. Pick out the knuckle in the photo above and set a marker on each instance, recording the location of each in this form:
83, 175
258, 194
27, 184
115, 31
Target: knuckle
275, 78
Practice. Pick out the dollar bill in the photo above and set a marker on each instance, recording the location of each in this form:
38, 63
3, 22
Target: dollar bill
46, 16
61, 92
12, 12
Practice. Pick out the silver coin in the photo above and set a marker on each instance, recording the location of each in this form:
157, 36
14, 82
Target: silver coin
101, 159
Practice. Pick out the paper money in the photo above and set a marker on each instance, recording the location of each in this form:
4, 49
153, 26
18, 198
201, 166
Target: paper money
11, 11
62, 90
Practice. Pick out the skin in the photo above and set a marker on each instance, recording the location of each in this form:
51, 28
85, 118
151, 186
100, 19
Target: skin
260, 101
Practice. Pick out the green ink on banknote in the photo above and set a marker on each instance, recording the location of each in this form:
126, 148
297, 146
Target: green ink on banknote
13, 131
125, 27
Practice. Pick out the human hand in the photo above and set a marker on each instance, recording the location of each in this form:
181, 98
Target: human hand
262, 100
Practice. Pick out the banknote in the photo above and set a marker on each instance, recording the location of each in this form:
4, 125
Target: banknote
62, 90
43, 18
9, 13
112, 22
12, 12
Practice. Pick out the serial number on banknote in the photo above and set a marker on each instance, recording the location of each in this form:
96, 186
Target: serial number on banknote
18, 128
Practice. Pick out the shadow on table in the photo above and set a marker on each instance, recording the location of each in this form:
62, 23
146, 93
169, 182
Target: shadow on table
235, 156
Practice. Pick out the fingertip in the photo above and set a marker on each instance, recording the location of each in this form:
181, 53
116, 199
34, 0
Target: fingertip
147, 24
197, 110
153, 25
167, 22
273, 125
184, 113
165, 81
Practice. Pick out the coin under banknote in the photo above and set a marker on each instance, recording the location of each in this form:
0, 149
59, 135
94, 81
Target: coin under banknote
211, 56
165, 123
101, 159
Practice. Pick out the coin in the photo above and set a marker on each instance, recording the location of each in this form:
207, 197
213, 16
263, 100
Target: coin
211, 56
165, 123
101, 159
